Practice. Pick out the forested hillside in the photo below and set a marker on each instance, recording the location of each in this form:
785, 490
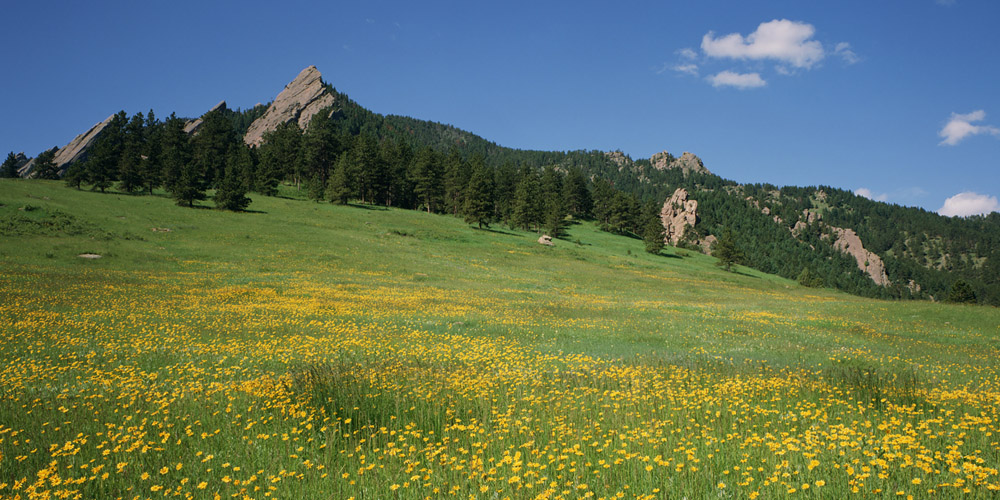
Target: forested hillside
349, 154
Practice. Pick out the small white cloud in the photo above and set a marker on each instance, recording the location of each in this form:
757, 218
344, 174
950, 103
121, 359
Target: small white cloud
687, 53
843, 49
960, 126
969, 203
867, 193
690, 69
782, 40
739, 80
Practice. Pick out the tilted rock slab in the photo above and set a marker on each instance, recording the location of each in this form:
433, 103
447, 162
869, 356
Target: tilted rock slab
848, 242
192, 126
299, 101
75, 151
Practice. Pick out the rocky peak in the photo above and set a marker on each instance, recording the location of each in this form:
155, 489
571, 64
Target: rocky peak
618, 158
192, 126
302, 98
687, 163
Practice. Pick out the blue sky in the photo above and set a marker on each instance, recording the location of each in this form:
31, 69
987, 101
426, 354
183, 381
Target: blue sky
897, 99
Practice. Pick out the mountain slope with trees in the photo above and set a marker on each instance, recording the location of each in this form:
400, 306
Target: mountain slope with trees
349, 154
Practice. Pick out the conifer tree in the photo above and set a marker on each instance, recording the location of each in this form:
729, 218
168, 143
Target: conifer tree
726, 251
576, 194
130, 161
339, 189
9, 167
210, 145
652, 230
151, 165
479, 194
505, 184
45, 167
102, 161
175, 152
232, 189
426, 175
525, 212
456, 180
318, 154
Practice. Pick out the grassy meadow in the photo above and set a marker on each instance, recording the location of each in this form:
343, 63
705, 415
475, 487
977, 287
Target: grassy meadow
307, 350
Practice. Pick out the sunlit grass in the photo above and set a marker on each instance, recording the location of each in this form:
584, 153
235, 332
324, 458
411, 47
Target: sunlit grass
312, 352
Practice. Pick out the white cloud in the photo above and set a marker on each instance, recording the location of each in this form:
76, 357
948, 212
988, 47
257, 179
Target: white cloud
960, 126
739, 80
782, 40
969, 203
691, 69
867, 193
843, 49
687, 53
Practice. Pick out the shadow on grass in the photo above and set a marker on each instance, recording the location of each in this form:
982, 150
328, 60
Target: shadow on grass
491, 230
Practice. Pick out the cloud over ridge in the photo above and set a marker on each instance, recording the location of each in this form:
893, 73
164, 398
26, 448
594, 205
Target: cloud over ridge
781, 40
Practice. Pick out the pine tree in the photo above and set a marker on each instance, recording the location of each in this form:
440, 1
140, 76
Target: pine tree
576, 194
525, 212
479, 194
652, 230
726, 251
318, 154
456, 180
278, 156
339, 189
151, 165
130, 161
175, 152
961, 293
211, 144
45, 167
102, 161
9, 167
603, 198
505, 184
426, 175
232, 189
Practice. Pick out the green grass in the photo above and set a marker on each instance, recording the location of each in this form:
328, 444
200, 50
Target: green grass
334, 331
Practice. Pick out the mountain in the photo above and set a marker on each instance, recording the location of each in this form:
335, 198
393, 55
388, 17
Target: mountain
822, 235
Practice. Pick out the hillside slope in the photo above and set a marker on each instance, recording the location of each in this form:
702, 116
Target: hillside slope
321, 350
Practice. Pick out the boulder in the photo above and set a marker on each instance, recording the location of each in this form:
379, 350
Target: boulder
75, 151
192, 126
545, 240
305, 96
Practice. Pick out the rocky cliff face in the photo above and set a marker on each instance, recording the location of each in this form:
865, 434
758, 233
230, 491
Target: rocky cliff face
299, 101
847, 241
687, 163
74, 151
678, 213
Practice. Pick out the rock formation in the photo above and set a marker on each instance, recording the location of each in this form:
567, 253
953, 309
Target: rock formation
305, 96
192, 126
847, 241
74, 151
545, 240
687, 163
618, 158
677, 214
